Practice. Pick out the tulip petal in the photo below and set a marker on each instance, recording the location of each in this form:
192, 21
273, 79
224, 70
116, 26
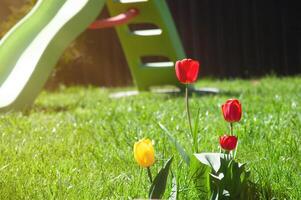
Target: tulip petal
144, 153
187, 70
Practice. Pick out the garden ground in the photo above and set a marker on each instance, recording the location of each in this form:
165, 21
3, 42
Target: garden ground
76, 143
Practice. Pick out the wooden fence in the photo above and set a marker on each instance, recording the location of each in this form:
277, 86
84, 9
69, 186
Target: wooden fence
241, 37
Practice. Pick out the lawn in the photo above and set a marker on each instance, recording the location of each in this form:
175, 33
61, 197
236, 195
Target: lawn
76, 143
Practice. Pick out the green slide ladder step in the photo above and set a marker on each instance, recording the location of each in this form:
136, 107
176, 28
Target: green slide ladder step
161, 41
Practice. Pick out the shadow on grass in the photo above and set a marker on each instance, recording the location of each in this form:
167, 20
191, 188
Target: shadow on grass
198, 92
48, 109
265, 192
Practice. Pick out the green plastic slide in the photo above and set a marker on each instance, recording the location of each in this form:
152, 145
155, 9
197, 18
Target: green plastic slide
30, 50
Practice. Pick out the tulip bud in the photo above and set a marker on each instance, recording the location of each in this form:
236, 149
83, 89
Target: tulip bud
144, 153
228, 142
232, 110
187, 70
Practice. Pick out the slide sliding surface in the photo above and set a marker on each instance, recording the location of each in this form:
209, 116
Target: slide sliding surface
31, 49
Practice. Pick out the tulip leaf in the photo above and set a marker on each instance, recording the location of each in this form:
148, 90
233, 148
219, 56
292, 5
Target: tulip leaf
178, 146
158, 186
228, 178
211, 159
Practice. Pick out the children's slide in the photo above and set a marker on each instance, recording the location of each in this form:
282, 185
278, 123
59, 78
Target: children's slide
30, 50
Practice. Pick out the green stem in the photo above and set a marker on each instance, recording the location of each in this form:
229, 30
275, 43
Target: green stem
231, 132
235, 150
188, 111
149, 173
227, 154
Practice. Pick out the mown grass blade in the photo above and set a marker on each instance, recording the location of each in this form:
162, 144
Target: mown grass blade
195, 132
174, 189
199, 174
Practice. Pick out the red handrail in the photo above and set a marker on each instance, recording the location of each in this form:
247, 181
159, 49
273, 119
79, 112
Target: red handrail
120, 19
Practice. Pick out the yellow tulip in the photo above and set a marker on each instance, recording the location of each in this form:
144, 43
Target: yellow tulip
144, 153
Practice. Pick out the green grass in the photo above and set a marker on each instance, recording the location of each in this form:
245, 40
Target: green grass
76, 143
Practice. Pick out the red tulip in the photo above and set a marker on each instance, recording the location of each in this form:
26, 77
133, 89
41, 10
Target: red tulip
228, 142
187, 70
232, 110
